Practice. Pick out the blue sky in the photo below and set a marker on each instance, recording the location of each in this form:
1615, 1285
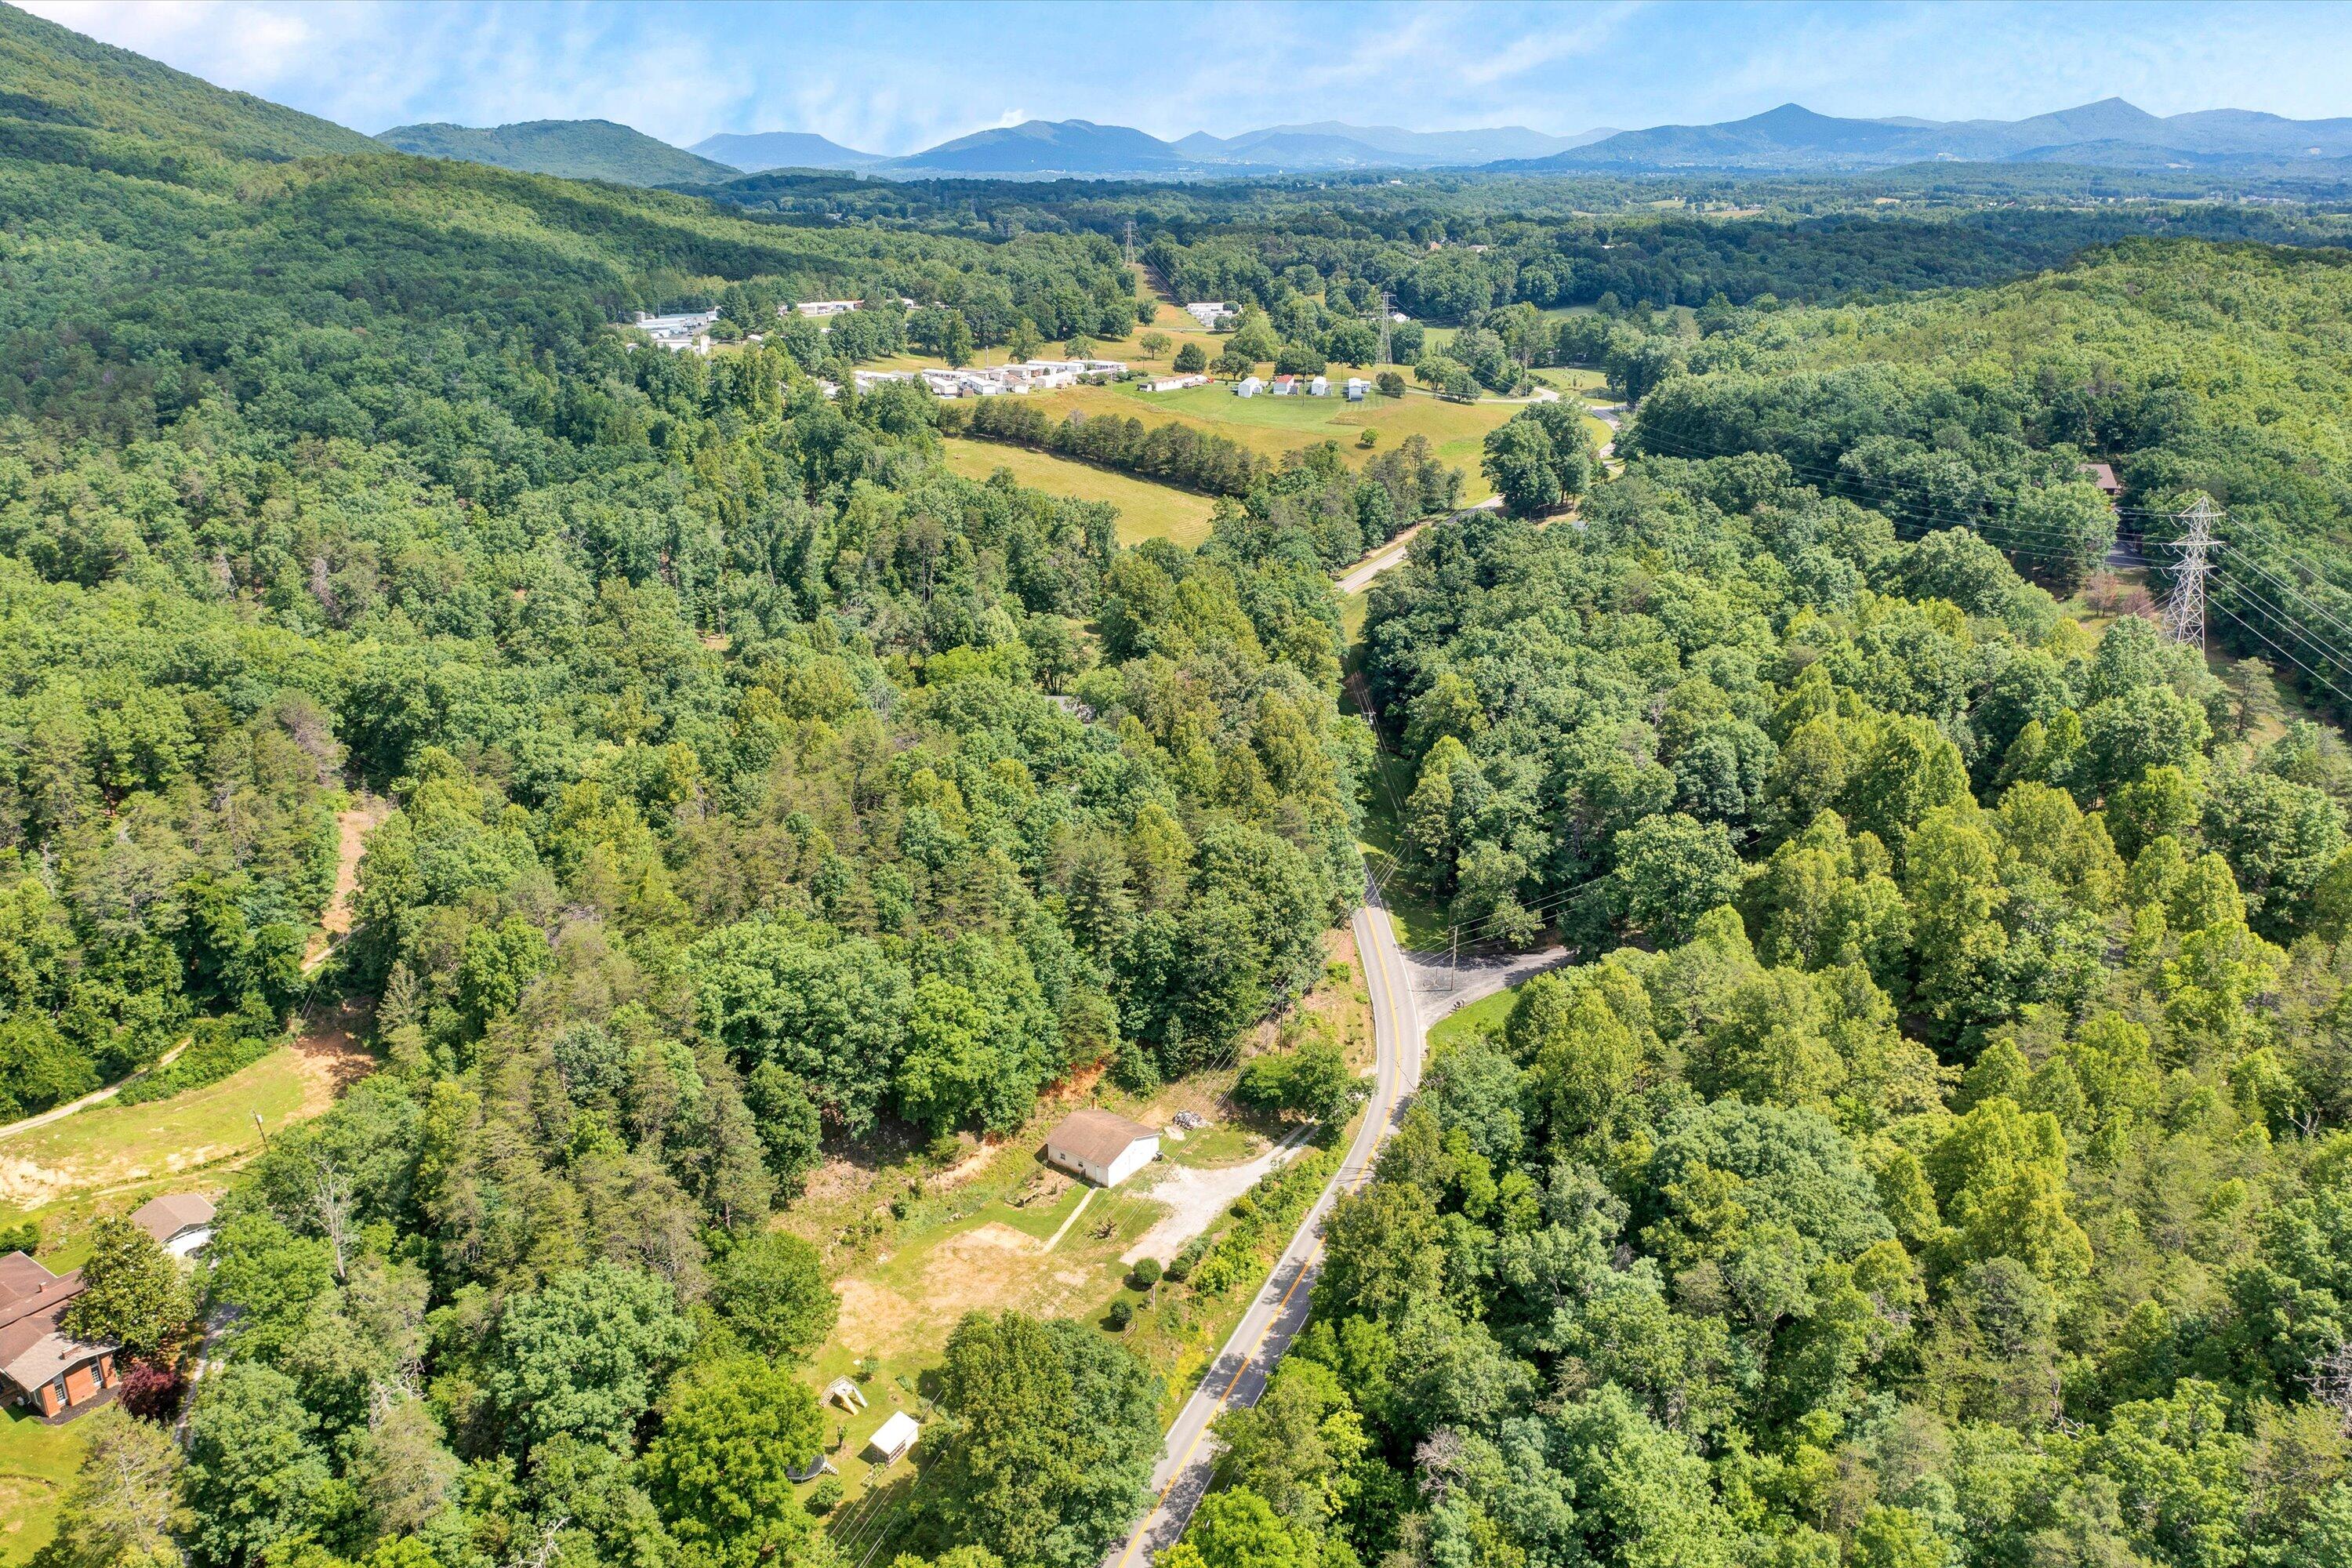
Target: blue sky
897, 78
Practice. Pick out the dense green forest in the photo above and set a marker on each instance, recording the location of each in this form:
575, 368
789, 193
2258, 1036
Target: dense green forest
2194, 368
1935, 1157
742, 801
1942, 1164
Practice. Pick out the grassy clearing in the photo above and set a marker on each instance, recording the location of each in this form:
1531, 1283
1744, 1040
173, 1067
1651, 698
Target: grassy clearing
1272, 426
1146, 510
1480, 1017
112, 1157
36, 1463
912, 1247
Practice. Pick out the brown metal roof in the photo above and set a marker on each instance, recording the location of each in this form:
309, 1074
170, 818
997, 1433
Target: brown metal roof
1096, 1137
166, 1216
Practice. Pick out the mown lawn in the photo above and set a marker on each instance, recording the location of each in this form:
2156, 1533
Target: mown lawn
36, 1463
1481, 1017
1146, 510
1272, 426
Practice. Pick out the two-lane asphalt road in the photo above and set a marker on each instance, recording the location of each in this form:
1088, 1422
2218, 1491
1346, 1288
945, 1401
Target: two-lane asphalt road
1239, 1374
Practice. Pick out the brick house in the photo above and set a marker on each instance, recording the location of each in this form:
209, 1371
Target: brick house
42, 1366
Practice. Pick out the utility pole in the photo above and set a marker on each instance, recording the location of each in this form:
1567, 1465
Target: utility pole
1384, 326
2184, 607
1453, 964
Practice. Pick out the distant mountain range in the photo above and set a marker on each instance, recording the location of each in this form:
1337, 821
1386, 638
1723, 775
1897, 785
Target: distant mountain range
2110, 132
575, 149
1791, 140
782, 150
1049, 148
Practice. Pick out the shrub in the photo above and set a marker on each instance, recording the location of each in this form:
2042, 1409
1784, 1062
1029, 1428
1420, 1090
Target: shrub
825, 1496
153, 1392
1147, 1273
215, 1053
1122, 1314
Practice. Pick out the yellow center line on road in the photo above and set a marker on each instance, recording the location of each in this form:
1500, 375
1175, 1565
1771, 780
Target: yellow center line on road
1380, 1109
1306, 1264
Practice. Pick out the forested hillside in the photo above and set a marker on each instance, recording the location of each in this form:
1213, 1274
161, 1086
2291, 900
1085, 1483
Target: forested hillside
574, 149
756, 781
1937, 1158
1933, 1156
2225, 370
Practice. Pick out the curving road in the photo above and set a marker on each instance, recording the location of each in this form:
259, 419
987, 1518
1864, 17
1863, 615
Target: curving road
1250, 1357
1238, 1376
1235, 1379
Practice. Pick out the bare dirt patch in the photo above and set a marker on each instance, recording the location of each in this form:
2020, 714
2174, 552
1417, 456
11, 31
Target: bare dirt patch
331, 1056
1195, 1197
352, 828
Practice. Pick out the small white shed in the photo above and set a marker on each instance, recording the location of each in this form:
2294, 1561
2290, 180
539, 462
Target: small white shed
1102, 1148
893, 1439
1357, 387
1320, 387
1249, 386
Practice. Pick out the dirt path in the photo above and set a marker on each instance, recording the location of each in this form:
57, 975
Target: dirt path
352, 828
96, 1097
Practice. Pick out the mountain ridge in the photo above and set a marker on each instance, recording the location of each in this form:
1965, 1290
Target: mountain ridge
757, 151
2109, 130
572, 149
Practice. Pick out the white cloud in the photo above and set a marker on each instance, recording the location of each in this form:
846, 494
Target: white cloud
894, 79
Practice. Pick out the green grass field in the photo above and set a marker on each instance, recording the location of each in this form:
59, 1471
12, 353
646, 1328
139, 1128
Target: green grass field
1272, 426
36, 1463
112, 1158
1146, 510
1485, 1014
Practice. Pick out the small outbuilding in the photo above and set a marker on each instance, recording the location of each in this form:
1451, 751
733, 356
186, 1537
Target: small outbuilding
1320, 387
1248, 387
181, 1222
2104, 476
893, 1439
1101, 1148
1357, 387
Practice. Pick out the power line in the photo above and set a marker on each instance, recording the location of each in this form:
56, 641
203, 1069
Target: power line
2224, 612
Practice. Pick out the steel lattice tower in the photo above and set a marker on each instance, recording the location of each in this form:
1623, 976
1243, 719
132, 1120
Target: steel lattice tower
2184, 607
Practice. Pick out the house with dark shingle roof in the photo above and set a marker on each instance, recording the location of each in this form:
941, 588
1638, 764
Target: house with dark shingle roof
42, 1366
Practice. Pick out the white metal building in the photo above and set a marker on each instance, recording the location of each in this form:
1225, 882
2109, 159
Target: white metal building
1102, 1148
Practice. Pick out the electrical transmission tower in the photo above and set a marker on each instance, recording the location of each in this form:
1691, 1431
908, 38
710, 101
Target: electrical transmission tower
1384, 326
1131, 242
2184, 607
